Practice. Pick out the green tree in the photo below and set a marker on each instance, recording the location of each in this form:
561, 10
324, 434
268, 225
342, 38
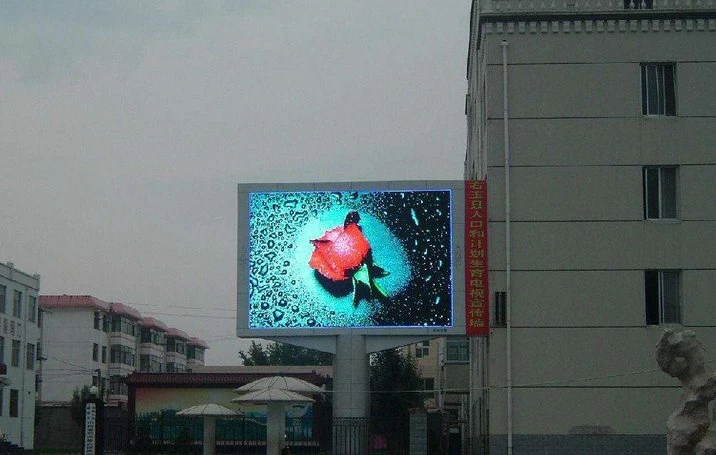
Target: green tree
284, 354
78, 402
394, 380
255, 356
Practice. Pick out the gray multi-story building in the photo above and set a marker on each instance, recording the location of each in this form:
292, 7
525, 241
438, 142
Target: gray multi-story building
20, 323
594, 122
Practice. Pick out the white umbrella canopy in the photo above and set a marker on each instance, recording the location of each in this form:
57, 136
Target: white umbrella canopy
209, 409
276, 401
209, 412
280, 382
266, 396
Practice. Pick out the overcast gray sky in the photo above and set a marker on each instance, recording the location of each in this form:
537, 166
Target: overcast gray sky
125, 127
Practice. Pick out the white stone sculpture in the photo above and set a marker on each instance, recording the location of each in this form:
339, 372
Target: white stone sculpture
680, 355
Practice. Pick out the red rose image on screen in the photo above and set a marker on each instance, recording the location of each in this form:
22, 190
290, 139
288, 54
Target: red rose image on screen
343, 253
339, 252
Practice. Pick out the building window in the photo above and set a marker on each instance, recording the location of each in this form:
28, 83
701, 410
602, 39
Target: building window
149, 335
144, 362
2, 351
659, 192
157, 364
122, 354
428, 384
150, 363
95, 352
457, 351
176, 345
2, 399
17, 304
662, 295
124, 325
30, 356
14, 401
15, 354
3, 293
31, 308
197, 353
422, 349
104, 354
97, 320
117, 387
658, 93
500, 309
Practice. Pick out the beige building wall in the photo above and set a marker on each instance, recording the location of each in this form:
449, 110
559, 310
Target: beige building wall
583, 357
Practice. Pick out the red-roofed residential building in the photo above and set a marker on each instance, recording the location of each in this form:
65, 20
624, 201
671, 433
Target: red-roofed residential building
75, 344
176, 350
152, 345
92, 342
195, 349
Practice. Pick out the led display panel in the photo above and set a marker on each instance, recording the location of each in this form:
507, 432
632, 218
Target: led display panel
347, 258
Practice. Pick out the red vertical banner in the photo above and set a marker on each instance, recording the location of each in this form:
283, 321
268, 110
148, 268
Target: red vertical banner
477, 292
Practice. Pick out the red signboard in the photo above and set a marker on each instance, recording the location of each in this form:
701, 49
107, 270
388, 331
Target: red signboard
477, 294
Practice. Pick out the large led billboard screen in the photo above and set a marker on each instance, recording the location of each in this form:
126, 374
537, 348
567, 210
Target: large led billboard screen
329, 257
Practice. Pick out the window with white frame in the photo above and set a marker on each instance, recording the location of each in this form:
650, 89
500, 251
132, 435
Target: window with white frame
658, 89
422, 349
457, 351
660, 201
662, 289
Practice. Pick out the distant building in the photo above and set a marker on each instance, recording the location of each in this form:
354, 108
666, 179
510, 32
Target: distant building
427, 358
91, 342
444, 365
19, 349
601, 215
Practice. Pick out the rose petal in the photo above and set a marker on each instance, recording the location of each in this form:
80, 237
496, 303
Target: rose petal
338, 251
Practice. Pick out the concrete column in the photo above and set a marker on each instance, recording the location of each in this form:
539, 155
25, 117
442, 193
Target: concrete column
351, 397
209, 435
275, 428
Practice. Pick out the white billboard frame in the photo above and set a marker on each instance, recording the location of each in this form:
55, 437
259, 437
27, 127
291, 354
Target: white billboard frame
457, 219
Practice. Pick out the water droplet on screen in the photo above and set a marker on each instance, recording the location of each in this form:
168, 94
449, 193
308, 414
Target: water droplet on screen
414, 216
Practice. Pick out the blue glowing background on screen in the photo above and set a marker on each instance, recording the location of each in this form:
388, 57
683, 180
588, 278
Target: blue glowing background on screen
350, 259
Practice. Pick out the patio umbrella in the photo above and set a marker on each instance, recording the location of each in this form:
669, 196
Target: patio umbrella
280, 382
276, 401
209, 412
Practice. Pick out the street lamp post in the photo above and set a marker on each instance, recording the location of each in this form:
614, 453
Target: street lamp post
94, 424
